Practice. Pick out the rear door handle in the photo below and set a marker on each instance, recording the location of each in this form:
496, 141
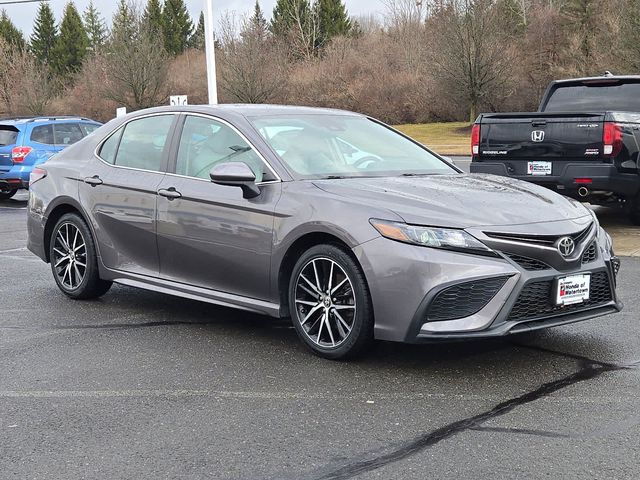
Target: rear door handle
169, 193
93, 181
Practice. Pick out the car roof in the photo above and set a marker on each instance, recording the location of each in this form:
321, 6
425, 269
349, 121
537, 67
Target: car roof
602, 78
44, 119
249, 110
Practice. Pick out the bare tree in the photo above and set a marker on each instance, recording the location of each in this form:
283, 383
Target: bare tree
253, 64
472, 57
137, 66
33, 93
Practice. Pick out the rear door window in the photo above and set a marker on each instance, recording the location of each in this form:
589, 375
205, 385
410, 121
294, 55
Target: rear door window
43, 134
8, 135
67, 133
143, 142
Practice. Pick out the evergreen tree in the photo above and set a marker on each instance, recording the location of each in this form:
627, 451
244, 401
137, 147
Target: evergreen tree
9, 32
44, 35
257, 19
197, 39
123, 23
582, 21
333, 19
153, 16
286, 13
72, 43
95, 27
177, 26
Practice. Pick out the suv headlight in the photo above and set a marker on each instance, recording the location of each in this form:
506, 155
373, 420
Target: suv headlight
435, 237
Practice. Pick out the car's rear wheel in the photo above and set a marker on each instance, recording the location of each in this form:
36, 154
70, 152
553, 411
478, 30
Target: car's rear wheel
330, 303
7, 194
74, 261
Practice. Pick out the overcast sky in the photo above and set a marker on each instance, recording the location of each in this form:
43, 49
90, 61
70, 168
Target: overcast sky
23, 14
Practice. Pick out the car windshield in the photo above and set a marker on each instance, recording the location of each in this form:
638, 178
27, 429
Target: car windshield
322, 146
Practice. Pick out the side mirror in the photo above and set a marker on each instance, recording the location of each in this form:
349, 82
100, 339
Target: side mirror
236, 174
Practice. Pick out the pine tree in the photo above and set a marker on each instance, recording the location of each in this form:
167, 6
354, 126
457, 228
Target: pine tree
286, 13
333, 19
177, 26
197, 39
71, 44
257, 19
9, 32
45, 32
153, 16
95, 27
124, 22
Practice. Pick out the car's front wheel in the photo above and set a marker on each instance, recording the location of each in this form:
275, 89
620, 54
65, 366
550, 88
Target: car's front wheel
7, 194
74, 260
330, 303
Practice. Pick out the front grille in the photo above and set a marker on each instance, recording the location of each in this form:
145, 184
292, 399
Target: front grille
547, 240
528, 263
591, 253
536, 299
463, 299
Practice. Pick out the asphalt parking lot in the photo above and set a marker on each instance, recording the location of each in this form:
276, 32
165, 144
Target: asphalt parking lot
142, 385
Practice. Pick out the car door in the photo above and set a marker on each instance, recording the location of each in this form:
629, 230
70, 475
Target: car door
120, 190
209, 235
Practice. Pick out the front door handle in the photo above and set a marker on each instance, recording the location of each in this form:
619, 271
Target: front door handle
169, 193
93, 181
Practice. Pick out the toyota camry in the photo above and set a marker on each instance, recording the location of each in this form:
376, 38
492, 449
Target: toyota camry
334, 219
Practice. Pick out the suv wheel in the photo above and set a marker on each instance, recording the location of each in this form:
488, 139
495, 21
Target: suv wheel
634, 211
74, 261
7, 194
330, 303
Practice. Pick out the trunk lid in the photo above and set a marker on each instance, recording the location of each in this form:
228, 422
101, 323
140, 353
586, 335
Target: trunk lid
8, 139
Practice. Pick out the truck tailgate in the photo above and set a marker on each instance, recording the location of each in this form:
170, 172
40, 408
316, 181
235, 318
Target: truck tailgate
541, 136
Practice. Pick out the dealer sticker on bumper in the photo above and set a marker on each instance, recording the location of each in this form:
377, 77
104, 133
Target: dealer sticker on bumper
573, 289
538, 168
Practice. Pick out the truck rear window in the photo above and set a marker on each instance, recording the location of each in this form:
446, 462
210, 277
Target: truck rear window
8, 135
598, 97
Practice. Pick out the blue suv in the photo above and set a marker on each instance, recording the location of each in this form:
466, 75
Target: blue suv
26, 142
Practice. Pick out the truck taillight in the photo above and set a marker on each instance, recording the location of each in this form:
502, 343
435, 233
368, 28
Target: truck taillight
475, 139
612, 138
18, 154
37, 174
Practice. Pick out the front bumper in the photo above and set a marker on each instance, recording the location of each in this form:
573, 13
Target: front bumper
404, 280
604, 177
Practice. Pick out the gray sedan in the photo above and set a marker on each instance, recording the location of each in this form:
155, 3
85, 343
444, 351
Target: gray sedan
332, 218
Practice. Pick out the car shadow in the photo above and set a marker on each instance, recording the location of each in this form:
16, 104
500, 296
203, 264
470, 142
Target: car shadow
547, 348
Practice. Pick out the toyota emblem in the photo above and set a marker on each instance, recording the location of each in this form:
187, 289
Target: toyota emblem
566, 246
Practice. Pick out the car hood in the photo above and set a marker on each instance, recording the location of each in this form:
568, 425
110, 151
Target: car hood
459, 201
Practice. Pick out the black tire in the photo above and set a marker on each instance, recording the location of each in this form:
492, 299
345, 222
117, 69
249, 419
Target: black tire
634, 211
351, 297
7, 194
89, 284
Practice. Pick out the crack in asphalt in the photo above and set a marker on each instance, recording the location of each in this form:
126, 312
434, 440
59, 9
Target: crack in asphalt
588, 371
574, 356
525, 431
106, 325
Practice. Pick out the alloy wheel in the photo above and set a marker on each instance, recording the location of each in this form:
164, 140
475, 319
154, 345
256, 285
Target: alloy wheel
69, 256
325, 302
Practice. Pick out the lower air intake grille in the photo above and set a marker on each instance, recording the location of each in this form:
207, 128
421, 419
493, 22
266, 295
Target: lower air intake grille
536, 299
590, 254
464, 299
528, 263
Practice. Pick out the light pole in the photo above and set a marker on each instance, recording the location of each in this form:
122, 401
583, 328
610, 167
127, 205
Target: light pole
209, 48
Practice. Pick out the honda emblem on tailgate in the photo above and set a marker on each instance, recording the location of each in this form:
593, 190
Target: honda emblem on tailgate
537, 135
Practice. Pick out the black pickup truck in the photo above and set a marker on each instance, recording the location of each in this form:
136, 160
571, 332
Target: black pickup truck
583, 142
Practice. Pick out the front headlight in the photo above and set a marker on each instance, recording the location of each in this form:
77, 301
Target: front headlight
435, 237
